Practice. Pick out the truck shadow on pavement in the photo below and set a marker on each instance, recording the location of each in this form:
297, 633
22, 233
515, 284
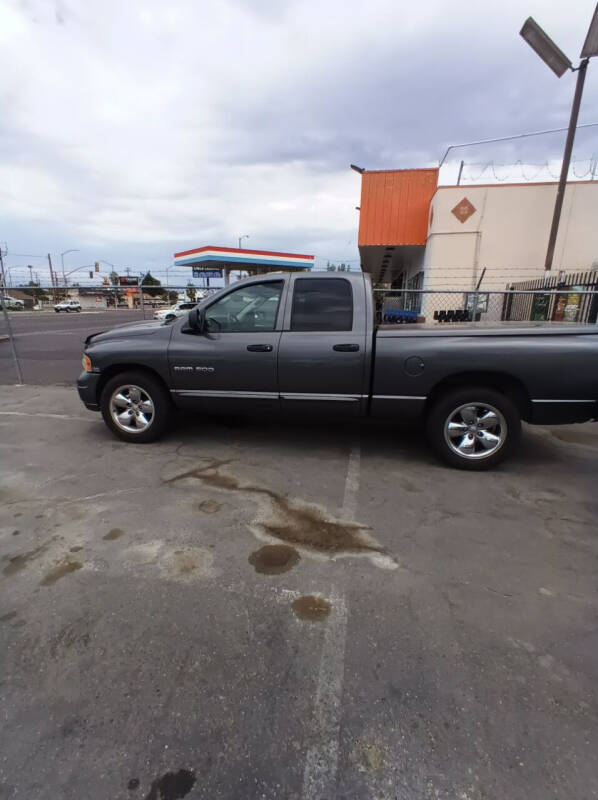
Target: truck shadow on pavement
403, 443
391, 440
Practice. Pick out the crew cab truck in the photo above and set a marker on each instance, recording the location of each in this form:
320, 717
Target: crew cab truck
306, 343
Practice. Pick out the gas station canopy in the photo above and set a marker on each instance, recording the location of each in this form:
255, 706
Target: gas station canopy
232, 258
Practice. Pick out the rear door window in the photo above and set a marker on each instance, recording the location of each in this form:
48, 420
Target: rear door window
322, 304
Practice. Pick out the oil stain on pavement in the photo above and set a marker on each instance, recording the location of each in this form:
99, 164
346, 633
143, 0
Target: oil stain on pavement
274, 559
294, 522
208, 506
114, 533
19, 562
62, 568
172, 786
312, 608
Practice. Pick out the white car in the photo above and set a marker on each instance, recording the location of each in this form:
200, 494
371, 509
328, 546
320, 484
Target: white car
68, 306
177, 310
12, 303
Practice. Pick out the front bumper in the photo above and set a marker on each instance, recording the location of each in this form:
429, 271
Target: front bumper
87, 386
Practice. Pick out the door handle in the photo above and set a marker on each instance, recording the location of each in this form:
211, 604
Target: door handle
259, 348
346, 348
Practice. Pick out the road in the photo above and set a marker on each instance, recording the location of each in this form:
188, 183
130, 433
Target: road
263, 611
49, 345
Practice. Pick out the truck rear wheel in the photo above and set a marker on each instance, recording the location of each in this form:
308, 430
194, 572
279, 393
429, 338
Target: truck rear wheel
473, 428
135, 406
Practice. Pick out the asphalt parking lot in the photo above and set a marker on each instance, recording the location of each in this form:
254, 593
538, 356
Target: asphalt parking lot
250, 609
50, 345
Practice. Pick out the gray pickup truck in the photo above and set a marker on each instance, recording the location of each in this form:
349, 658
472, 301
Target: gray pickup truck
306, 343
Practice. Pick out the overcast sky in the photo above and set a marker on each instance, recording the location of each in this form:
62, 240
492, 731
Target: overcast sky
133, 129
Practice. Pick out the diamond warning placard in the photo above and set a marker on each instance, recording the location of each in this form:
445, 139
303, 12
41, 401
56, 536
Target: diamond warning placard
463, 210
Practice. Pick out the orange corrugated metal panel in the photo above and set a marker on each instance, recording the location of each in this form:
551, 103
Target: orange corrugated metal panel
395, 205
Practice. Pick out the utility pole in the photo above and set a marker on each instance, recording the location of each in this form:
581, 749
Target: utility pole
30, 268
53, 280
140, 284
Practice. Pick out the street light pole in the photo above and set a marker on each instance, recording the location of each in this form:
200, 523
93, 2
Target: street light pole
246, 236
560, 194
559, 63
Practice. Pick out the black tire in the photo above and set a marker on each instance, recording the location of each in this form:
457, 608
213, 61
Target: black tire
156, 392
78, 310
57, 310
447, 408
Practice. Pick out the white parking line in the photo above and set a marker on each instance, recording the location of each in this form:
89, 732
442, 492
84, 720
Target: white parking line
352, 484
319, 775
321, 763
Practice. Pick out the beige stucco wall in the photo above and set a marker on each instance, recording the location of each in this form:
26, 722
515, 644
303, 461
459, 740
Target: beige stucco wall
508, 234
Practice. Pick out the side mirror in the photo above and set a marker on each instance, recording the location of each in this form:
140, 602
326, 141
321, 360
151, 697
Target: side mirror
196, 320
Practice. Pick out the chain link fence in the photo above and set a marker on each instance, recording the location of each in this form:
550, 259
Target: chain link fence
445, 307
392, 306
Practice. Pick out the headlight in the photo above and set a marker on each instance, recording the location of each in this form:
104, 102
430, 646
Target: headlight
86, 361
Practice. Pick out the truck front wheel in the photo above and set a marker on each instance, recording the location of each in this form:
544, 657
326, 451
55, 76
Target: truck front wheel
135, 406
473, 427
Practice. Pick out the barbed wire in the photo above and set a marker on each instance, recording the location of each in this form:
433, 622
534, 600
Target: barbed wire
520, 168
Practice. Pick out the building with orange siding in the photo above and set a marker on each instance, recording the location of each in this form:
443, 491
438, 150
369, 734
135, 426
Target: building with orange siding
393, 222
414, 234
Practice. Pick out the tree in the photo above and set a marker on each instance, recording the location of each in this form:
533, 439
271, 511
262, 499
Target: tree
191, 292
151, 285
113, 277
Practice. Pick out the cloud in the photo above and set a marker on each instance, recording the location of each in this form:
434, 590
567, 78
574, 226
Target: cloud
143, 127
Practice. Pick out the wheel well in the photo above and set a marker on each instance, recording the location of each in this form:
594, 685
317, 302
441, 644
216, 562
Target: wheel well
499, 381
116, 369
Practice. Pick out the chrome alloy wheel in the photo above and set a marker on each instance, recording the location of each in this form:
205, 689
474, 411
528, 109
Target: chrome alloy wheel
475, 430
131, 408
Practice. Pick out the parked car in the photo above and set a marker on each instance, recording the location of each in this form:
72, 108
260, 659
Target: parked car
68, 306
307, 344
13, 304
177, 310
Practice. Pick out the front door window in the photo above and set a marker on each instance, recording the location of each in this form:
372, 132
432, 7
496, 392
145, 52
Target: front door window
249, 309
